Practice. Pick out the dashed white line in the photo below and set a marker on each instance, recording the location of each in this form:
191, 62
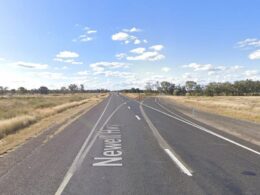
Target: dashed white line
138, 118
178, 163
129, 107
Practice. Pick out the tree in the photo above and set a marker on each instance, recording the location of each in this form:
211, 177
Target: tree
190, 86
149, 87
43, 90
82, 88
167, 87
73, 88
22, 90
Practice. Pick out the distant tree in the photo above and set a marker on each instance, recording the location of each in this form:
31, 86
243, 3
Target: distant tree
43, 90
22, 90
190, 86
149, 87
73, 88
82, 88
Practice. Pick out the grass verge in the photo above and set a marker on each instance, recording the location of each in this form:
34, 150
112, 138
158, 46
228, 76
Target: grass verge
60, 118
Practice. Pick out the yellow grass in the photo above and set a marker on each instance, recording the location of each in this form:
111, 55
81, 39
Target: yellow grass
240, 107
62, 118
34, 113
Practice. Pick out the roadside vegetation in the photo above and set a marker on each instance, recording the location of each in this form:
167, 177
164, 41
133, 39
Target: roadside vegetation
22, 108
240, 99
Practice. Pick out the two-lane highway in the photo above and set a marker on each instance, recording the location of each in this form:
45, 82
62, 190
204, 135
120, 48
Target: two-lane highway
123, 146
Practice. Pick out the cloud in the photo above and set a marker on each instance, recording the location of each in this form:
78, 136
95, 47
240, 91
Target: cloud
198, 67
83, 73
251, 73
67, 54
31, 65
250, 42
126, 37
120, 56
157, 47
134, 29
100, 67
165, 69
255, 55
138, 50
2, 59
147, 56
67, 57
86, 36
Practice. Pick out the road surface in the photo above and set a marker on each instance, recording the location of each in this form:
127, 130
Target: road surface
122, 146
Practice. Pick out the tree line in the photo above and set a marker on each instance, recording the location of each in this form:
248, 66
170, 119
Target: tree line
237, 88
72, 88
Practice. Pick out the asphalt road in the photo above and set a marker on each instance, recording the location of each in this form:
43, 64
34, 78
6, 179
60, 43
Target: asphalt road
122, 146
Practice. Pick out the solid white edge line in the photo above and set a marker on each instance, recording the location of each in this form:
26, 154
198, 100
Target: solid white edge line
206, 130
138, 118
73, 166
178, 163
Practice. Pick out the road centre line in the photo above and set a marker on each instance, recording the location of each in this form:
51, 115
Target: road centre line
138, 118
74, 164
176, 160
165, 146
129, 107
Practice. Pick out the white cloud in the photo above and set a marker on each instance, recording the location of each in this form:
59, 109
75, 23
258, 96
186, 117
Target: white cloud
255, 55
30, 65
147, 56
250, 42
120, 56
120, 36
86, 36
134, 29
67, 54
91, 31
67, 57
100, 67
137, 41
126, 36
157, 47
2, 59
83, 73
251, 73
138, 50
198, 67
165, 69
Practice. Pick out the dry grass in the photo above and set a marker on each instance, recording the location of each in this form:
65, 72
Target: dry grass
62, 118
137, 96
37, 108
240, 107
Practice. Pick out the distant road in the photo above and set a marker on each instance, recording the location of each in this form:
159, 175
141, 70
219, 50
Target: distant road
122, 146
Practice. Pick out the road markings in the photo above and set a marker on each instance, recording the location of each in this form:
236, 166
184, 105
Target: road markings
165, 146
76, 161
129, 107
112, 153
176, 160
205, 130
138, 118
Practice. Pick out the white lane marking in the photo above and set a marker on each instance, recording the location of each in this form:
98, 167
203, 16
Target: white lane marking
74, 164
138, 118
129, 107
164, 145
158, 102
176, 160
205, 130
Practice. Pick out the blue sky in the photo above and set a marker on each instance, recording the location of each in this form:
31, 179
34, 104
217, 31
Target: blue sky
120, 44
